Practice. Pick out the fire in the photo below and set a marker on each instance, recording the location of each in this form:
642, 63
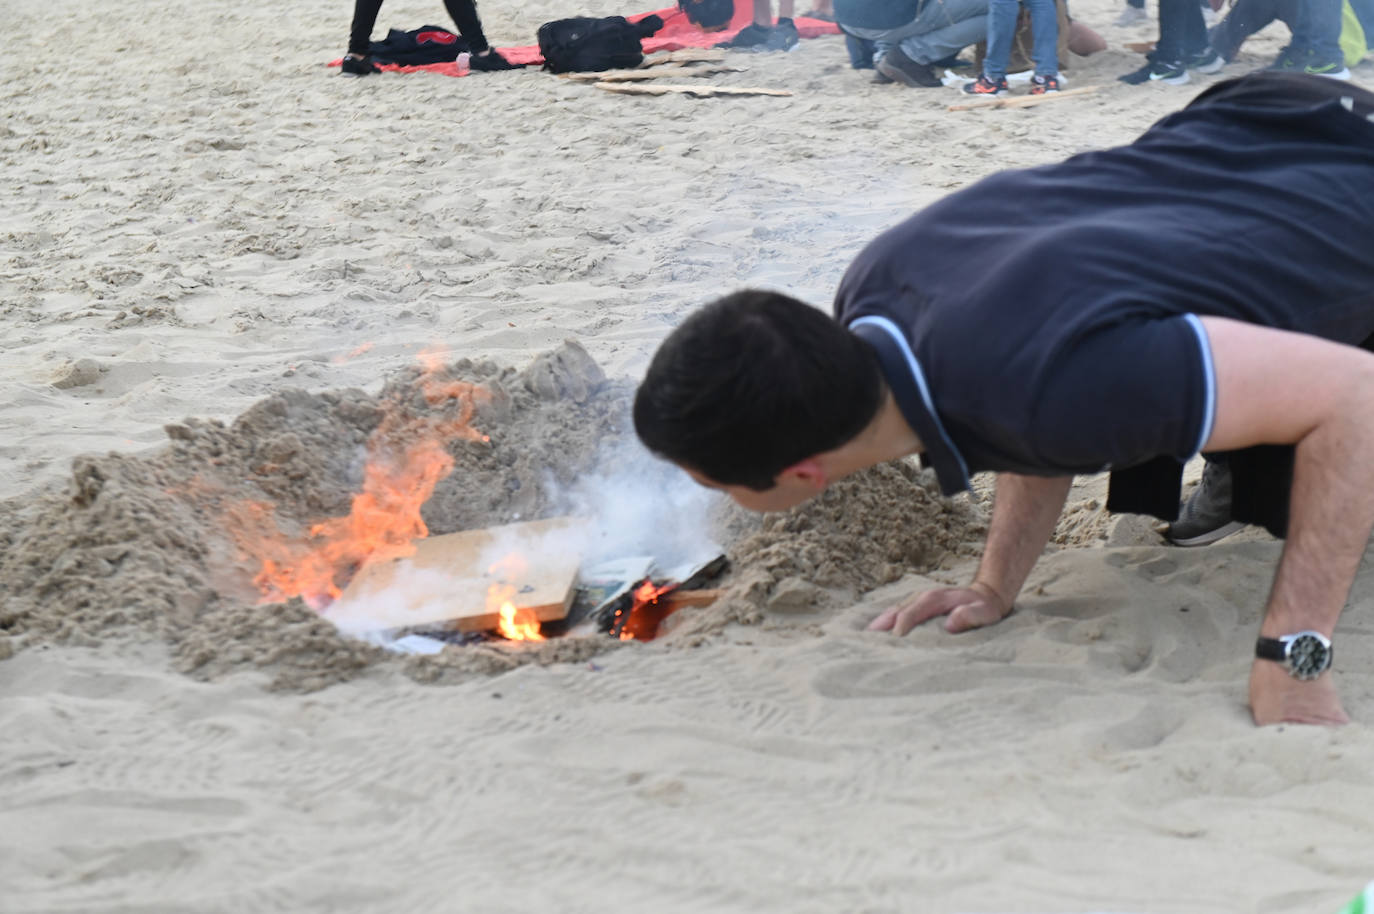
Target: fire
515, 624
406, 459
641, 621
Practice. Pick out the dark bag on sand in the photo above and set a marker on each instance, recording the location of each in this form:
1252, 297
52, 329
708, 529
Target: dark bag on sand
425, 45
585, 45
708, 15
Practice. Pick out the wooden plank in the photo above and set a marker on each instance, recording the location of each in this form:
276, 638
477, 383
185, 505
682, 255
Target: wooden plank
697, 91
684, 55
615, 76
534, 565
1022, 101
680, 598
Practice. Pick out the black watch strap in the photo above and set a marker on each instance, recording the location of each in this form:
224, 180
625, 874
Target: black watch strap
1271, 649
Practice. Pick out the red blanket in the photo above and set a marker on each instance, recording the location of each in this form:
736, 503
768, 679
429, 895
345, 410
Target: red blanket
677, 32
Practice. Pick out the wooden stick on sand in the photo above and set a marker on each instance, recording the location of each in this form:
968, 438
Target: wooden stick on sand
696, 91
1022, 101
616, 76
684, 55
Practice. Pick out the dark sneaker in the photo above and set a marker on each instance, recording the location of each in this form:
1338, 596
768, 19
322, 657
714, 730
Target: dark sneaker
358, 66
984, 86
881, 79
898, 67
1172, 72
1206, 516
751, 36
783, 36
1208, 61
1332, 69
1043, 85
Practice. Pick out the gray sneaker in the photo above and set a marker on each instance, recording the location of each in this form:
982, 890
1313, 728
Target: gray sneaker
1206, 516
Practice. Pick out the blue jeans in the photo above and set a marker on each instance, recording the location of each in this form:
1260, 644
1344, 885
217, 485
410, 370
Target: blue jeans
1002, 15
942, 28
1182, 31
1319, 28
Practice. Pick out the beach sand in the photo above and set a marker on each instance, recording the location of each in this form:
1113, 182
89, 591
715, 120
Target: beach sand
220, 264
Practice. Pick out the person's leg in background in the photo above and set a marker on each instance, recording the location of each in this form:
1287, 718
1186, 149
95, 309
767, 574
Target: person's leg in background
762, 34
1002, 18
1182, 46
1245, 18
946, 27
1044, 19
356, 62
1316, 46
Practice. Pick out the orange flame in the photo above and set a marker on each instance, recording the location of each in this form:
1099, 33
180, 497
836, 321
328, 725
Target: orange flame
645, 614
515, 624
406, 459
518, 625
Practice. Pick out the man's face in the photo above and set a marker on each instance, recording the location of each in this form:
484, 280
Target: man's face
786, 493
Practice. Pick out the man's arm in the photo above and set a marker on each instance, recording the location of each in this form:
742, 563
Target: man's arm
1024, 512
1275, 387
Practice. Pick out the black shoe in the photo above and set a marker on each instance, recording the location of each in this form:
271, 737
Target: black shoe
750, 37
881, 79
896, 66
359, 66
491, 61
1206, 516
783, 36
1172, 72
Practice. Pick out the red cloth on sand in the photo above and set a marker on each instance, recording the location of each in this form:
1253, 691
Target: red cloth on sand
677, 32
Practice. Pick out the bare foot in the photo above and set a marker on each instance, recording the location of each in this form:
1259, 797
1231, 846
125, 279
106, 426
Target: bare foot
1278, 698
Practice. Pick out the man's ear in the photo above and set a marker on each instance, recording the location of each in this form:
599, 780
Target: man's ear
809, 473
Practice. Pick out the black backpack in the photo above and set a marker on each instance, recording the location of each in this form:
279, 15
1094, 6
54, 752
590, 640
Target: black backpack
584, 45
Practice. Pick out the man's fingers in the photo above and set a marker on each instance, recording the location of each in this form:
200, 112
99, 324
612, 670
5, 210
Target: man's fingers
966, 608
930, 605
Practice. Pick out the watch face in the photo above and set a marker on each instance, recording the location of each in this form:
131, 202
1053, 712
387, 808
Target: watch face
1308, 656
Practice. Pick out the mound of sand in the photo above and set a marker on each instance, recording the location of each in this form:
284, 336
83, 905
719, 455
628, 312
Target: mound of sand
151, 546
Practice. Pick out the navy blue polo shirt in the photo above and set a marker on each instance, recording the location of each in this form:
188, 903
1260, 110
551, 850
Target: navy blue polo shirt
1046, 321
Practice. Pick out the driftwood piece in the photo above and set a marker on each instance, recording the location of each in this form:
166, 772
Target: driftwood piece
696, 91
680, 598
684, 55
1022, 101
615, 76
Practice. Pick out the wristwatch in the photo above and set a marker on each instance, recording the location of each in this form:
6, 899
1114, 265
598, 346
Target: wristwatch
1305, 655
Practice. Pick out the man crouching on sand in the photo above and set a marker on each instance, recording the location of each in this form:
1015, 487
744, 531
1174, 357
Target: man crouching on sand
1204, 289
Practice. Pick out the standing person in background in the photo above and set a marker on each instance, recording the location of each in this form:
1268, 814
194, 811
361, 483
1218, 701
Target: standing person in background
1249, 16
911, 35
1002, 17
762, 34
1182, 46
464, 14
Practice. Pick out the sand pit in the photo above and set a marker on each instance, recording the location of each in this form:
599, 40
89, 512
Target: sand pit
171, 545
219, 266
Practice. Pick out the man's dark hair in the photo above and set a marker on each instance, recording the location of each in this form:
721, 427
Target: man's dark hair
751, 384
